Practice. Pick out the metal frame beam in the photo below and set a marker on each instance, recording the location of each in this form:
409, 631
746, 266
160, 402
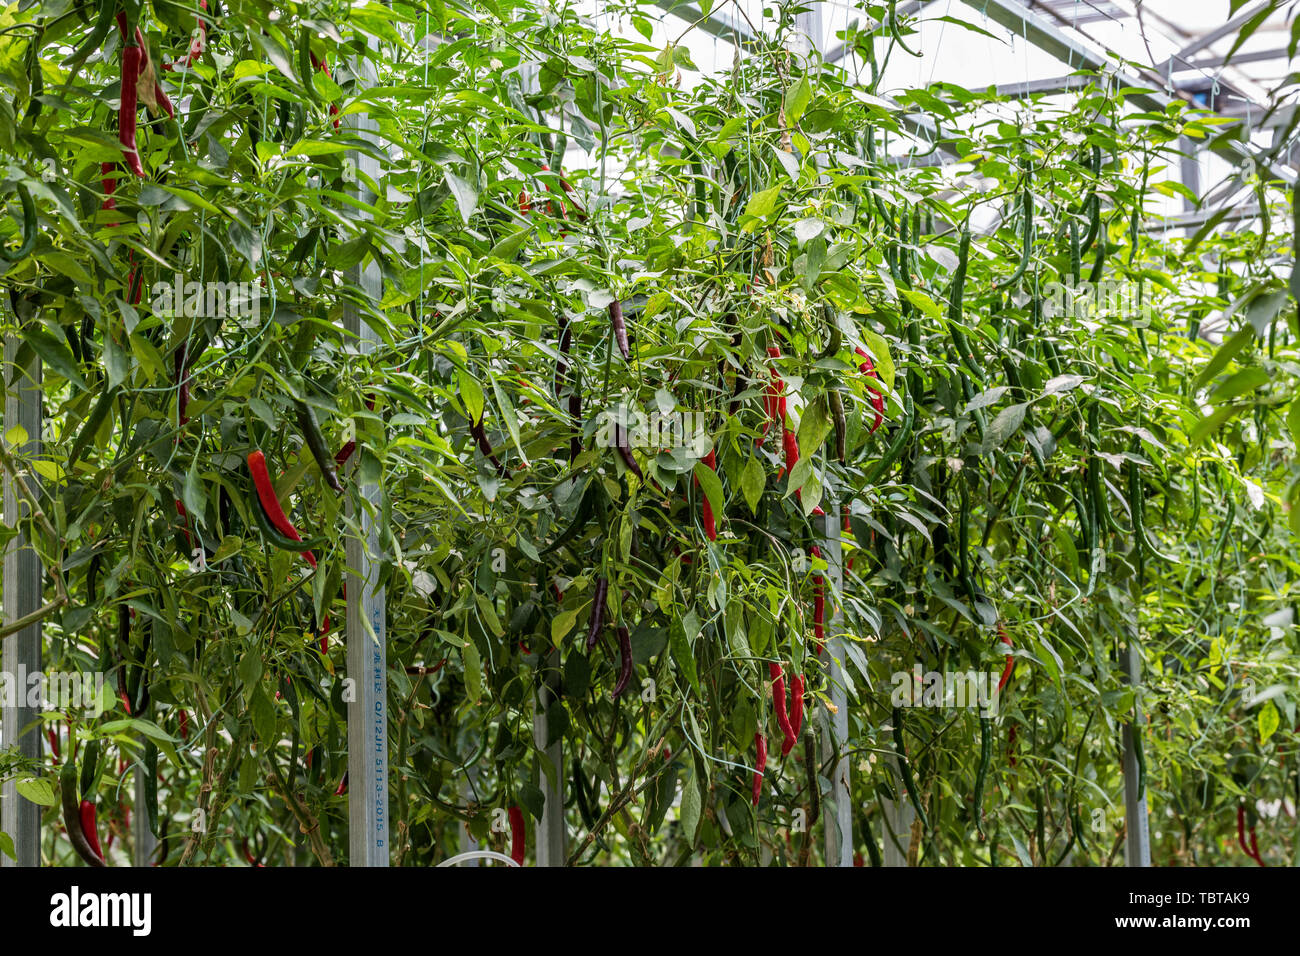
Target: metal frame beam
1021, 21
1207, 40
718, 22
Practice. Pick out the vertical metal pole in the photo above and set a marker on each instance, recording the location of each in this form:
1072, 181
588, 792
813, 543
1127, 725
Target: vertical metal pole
369, 832
838, 812
898, 818
23, 577
141, 836
1137, 838
551, 836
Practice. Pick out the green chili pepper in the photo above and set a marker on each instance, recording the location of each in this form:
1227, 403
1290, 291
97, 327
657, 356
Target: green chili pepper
896, 446
29, 229
905, 768
316, 442
95, 39
956, 291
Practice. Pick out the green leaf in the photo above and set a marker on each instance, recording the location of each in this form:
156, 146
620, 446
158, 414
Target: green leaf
761, 204
712, 485
466, 195
692, 804
38, 790
1006, 424
54, 352
489, 613
1210, 424
562, 624
263, 713
679, 647
192, 493
1246, 380
1267, 721
1227, 351
508, 416
814, 426
754, 479
508, 247
277, 54
923, 302
796, 100
880, 356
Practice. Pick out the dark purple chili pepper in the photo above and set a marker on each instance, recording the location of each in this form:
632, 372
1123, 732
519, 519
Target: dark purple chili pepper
620, 328
625, 661
597, 612
480, 435
625, 451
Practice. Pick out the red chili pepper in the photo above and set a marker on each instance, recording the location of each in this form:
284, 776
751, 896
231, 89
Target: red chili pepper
791, 446
858, 860
183, 718
88, 826
252, 860
518, 835
710, 526
778, 706
877, 398
159, 94
54, 743
127, 109
271, 504
1011, 746
196, 43
185, 524
1251, 851
110, 186
760, 742
1010, 662
773, 399
796, 706
343, 785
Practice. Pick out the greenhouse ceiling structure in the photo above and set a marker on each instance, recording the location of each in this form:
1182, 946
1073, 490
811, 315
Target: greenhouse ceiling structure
650, 434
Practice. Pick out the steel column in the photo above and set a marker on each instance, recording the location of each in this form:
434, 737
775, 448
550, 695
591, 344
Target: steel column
23, 578
837, 811
369, 829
